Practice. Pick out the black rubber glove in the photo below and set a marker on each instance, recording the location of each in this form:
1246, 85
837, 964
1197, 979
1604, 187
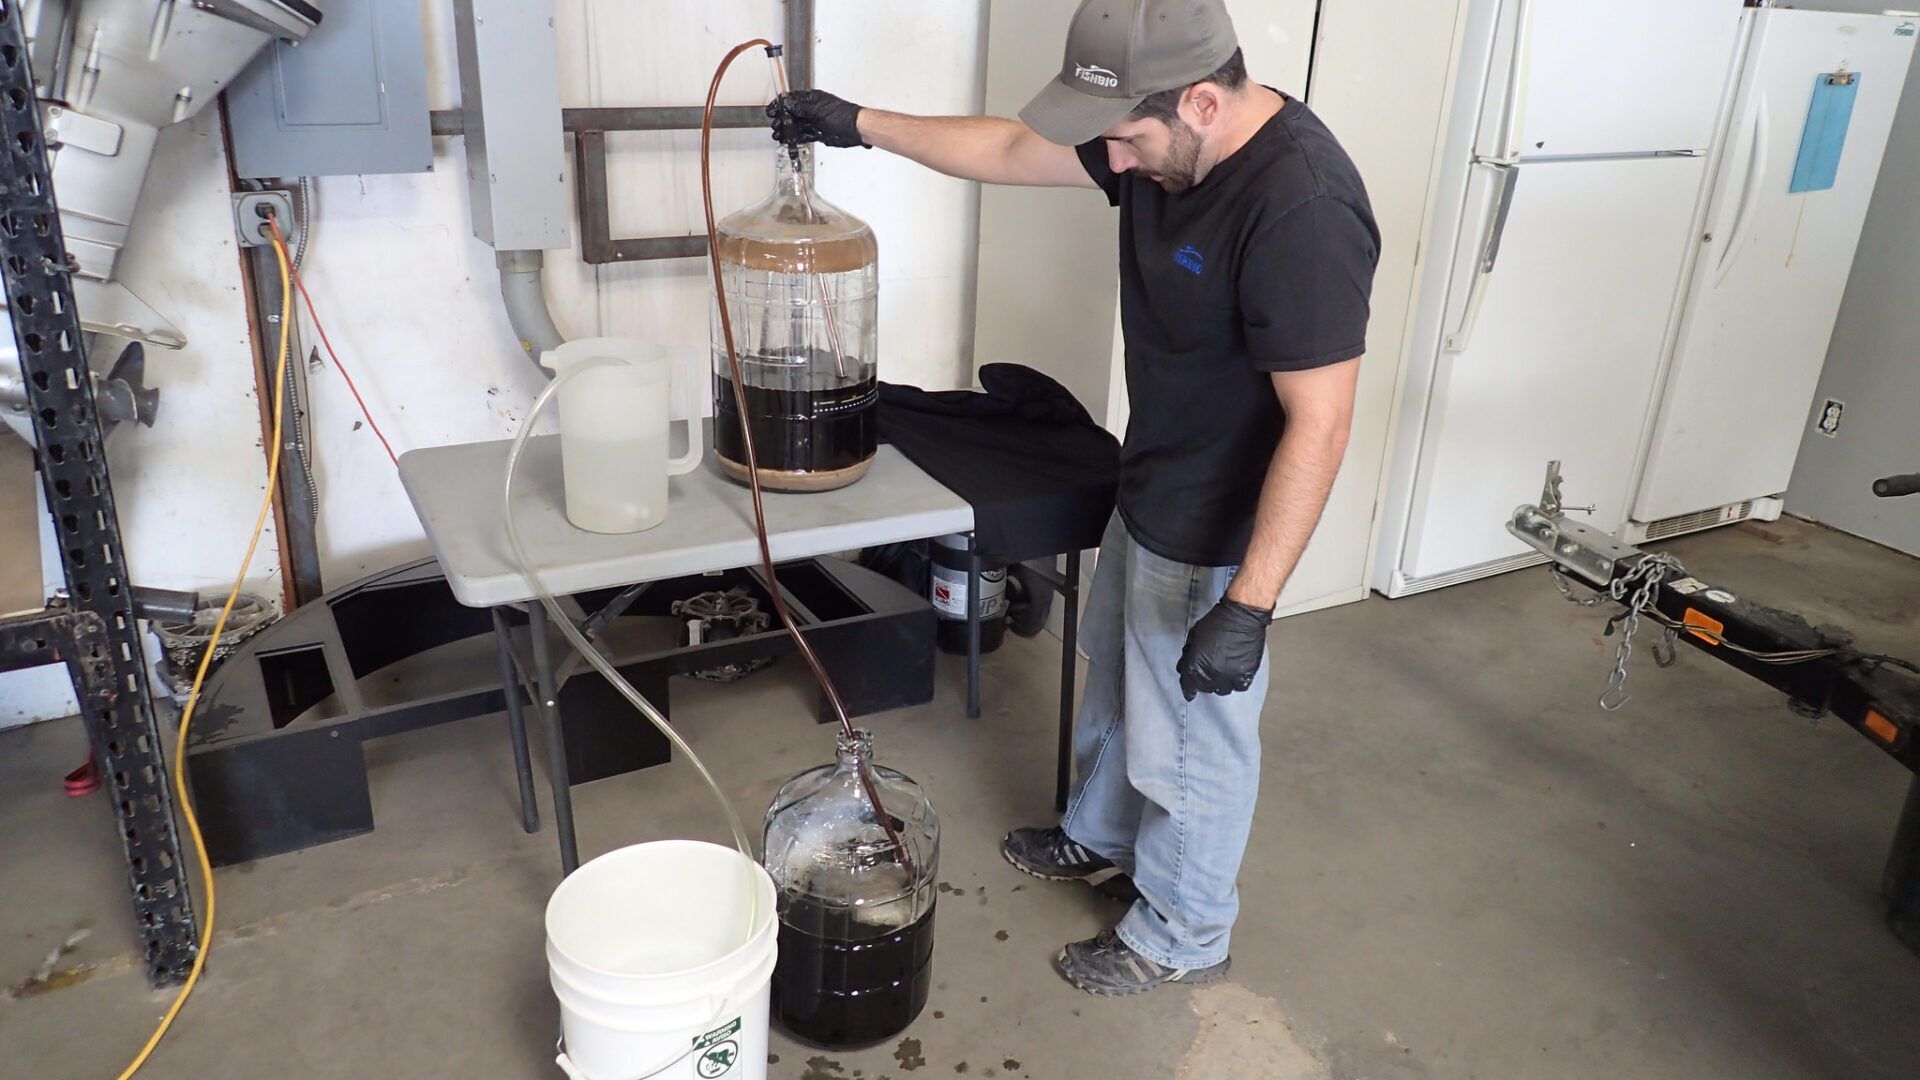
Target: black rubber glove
1223, 650
807, 116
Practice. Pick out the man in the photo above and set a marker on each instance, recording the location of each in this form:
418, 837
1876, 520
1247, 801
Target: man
1247, 250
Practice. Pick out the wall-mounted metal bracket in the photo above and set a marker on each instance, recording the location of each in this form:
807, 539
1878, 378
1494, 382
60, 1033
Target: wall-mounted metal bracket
589, 129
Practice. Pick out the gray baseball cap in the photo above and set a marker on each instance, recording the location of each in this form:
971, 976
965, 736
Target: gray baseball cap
1120, 51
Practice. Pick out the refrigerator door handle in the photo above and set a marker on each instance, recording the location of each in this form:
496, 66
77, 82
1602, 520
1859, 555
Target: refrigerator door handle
1748, 205
1514, 122
1508, 178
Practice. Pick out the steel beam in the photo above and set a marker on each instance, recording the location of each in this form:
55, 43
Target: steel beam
107, 659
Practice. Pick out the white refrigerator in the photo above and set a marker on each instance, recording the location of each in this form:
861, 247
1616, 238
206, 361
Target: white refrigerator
1575, 169
1811, 120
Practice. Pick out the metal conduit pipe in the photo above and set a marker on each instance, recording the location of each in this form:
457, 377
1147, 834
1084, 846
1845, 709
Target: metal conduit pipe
526, 300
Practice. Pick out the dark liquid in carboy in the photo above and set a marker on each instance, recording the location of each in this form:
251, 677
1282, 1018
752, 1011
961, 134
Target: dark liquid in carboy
840, 985
799, 431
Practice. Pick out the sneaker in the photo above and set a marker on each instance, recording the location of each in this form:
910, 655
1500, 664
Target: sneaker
1106, 966
1049, 854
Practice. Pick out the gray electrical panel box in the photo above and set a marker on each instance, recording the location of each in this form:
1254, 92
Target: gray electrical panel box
510, 116
351, 99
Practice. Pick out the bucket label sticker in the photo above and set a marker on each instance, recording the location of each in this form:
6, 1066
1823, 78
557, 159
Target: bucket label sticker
718, 1052
717, 1034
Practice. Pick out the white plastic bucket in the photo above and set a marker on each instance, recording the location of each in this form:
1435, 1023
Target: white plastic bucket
661, 956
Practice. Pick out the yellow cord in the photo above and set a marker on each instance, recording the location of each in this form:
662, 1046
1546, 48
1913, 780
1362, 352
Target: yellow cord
206, 661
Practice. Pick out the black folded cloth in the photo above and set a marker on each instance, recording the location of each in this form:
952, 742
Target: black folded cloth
1039, 472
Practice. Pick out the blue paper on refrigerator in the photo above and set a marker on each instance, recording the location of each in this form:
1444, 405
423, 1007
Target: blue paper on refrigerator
1825, 138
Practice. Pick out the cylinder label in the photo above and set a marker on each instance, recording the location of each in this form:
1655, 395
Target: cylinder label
950, 592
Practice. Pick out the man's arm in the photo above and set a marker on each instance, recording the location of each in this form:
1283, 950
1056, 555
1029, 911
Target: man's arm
1319, 407
984, 148
1223, 650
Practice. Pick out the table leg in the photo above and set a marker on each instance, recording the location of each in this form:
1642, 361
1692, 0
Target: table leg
1069, 657
516, 723
973, 627
556, 739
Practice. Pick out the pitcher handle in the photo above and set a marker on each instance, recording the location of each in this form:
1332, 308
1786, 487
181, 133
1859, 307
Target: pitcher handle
688, 362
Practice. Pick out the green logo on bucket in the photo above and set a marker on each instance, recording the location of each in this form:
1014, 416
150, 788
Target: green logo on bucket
719, 1060
718, 1053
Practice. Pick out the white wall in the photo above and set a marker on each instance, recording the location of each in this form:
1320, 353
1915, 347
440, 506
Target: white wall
411, 300
1049, 258
1874, 363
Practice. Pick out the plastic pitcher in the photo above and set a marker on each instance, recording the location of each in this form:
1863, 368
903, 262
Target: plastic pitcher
614, 415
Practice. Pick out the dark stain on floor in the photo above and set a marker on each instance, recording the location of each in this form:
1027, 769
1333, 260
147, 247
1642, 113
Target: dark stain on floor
1011, 1065
999, 935
908, 1054
823, 1068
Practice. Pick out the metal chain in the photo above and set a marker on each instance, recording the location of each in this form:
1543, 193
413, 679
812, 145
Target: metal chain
1566, 589
1637, 589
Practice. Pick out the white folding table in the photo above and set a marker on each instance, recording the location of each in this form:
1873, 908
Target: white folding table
709, 527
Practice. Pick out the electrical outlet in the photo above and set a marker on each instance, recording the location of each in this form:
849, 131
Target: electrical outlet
1829, 422
251, 210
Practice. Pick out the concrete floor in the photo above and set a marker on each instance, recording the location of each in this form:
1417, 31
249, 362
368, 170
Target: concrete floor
1461, 868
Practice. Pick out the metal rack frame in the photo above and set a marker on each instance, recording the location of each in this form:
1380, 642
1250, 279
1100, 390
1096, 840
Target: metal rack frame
97, 635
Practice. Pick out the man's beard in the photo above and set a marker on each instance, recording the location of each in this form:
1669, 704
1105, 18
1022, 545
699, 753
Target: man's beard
1182, 169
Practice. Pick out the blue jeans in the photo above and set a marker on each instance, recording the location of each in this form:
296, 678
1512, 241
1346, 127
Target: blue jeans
1166, 785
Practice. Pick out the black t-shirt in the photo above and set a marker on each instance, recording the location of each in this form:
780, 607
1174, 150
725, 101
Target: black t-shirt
1265, 266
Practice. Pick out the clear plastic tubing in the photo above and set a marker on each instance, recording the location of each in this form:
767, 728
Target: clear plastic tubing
579, 641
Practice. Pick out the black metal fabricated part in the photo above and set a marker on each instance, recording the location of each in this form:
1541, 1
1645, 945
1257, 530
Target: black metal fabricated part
1900, 884
1897, 487
449, 122
165, 605
276, 752
1877, 698
590, 127
1880, 701
108, 661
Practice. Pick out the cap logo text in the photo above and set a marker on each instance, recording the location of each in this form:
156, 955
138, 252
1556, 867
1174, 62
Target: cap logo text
1098, 76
